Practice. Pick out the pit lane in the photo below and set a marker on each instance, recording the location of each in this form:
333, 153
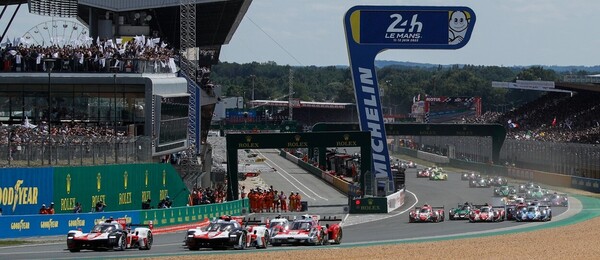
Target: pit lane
358, 229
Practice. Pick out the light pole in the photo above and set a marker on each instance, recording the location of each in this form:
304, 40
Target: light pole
253, 78
389, 88
115, 69
49, 64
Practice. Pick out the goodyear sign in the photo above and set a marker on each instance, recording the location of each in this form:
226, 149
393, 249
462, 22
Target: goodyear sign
24, 190
58, 224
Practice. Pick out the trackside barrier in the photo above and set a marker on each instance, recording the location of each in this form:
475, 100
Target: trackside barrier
164, 220
396, 200
341, 184
369, 205
432, 157
587, 184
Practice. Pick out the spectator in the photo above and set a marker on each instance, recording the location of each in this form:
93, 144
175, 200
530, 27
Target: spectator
77, 208
0, 211
168, 202
146, 204
43, 209
99, 206
50, 210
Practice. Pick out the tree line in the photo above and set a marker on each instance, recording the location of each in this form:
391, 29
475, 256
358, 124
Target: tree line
400, 83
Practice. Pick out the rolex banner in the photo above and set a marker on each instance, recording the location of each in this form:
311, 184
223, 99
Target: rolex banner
119, 187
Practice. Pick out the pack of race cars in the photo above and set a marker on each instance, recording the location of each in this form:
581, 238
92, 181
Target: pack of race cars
240, 233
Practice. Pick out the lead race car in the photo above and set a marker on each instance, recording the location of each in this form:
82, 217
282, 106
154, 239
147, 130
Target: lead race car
426, 213
112, 234
307, 230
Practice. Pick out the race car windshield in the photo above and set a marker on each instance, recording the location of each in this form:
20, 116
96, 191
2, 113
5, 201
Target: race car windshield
214, 227
103, 228
301, 225
485, 210
424, 210
531, 209
466, 207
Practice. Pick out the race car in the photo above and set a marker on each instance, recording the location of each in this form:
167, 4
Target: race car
487, 213
411, 164
278, 224
523, 188
556, 199
513, 209
460, 212
534, 213
480, 182
536, 193
424, 173
224, 232
513, 199
437, 174
308, 230
426, 213
112, 234
499, 181
468, 176
504, 191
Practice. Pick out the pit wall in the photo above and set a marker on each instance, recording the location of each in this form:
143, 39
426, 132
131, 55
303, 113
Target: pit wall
559, 180
124, 187
60, 224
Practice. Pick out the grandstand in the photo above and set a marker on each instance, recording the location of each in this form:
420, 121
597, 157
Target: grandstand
135, 95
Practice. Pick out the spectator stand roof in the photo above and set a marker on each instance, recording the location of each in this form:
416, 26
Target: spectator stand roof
303, 104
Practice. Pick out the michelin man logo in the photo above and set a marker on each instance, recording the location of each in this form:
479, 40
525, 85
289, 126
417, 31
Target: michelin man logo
458, 24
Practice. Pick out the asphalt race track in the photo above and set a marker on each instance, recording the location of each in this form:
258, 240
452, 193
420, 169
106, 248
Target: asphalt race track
323, 200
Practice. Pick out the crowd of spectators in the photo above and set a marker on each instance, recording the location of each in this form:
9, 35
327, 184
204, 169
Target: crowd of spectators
21, 135
136, 55
554, 117
201, 196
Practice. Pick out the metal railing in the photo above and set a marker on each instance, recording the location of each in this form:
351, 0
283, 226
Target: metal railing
74, 150
91, 65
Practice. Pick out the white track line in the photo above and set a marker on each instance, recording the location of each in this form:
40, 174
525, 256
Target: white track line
295, 186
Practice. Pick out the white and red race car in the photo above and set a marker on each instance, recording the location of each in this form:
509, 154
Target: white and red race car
487, 213
307, 230
229, 232
112, 234
426, 213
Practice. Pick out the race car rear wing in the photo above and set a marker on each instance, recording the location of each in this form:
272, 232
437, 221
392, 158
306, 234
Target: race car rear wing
330, 219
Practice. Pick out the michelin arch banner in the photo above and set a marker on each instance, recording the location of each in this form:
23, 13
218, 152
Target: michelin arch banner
372, 29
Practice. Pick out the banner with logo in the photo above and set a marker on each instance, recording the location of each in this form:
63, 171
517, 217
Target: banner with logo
58, 224
24, 190
120, 187
373, 29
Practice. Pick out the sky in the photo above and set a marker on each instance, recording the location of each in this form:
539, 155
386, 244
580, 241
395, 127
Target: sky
506, 33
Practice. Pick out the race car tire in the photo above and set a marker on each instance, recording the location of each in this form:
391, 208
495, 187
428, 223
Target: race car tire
338, 238
241, 242
149, 241
120, 243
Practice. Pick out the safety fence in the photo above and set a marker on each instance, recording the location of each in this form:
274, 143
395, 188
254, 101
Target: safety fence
75, 150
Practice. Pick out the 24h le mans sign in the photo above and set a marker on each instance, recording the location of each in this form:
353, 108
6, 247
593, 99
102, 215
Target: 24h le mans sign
373, 29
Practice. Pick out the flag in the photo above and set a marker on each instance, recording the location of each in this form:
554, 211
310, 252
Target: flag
554, 122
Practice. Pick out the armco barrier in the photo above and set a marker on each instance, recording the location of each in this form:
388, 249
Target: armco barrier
60, 224
488, 169
432, 157
587, 184
341, 185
